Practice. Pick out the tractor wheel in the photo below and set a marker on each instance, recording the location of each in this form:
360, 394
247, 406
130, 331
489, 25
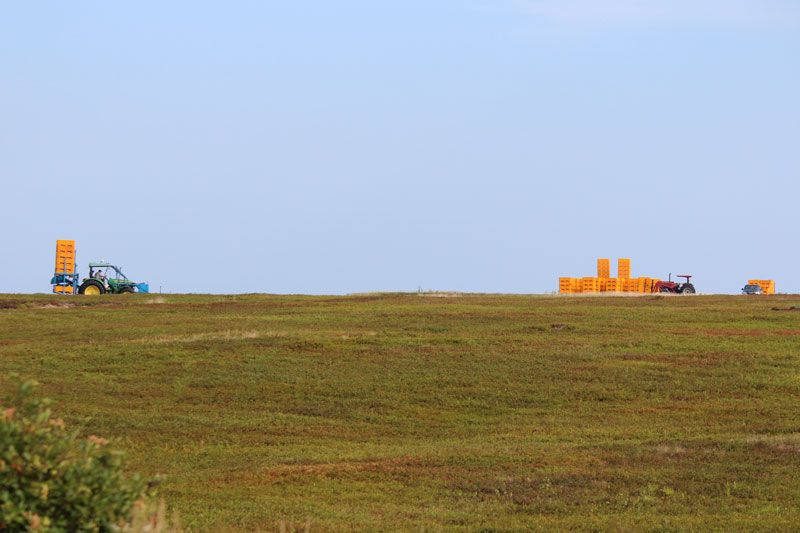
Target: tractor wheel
688, 289
125, 290
91, 287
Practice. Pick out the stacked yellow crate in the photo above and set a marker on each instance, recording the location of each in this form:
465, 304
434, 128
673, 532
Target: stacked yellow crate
645, 285
605, 283
589, 285
65, 262
630, 285
564, 286
624, 268
65, 257
601, 284
767, 285
603, 268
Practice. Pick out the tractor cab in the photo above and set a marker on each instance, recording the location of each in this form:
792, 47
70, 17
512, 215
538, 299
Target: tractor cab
107, 274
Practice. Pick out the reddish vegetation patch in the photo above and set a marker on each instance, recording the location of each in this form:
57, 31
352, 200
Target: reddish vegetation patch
734, 332
684, 360
397, 466
325, 469
706, 359
747, 332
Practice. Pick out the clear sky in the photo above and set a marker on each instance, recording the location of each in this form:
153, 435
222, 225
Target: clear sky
338, 147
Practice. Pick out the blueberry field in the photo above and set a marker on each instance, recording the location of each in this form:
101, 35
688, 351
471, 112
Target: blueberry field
434, 412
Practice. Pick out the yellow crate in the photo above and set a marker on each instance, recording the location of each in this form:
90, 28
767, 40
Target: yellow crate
577, 285
61, 289
601, 284
767, 285
612, 285
630, 285
564, 285
603, 268
624, 268
645, 285
589, 284
65, 256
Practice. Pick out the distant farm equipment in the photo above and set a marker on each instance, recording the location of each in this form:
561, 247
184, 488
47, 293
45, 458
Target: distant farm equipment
622, 283
103, 277
100, 281
751, 288
767, 285
672, 287
65, 279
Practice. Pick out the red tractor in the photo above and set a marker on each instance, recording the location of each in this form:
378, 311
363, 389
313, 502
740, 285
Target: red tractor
673, 287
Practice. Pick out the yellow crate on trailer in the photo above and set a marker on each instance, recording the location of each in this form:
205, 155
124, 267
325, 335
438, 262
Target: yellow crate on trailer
65, 273
65, 257
770, 287
767, 285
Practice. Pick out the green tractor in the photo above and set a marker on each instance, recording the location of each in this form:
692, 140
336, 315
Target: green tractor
100, 282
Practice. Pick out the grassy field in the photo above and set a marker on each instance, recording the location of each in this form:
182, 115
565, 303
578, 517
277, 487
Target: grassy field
411, 411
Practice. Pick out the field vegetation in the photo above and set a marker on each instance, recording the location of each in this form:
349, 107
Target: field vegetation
411, 411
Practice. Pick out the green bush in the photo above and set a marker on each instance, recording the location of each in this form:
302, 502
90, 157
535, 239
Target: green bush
51, 479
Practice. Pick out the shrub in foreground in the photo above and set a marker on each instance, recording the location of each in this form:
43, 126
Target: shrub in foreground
51, 479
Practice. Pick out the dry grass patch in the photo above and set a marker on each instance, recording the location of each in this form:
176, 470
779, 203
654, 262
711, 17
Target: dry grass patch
218, 335
783, 443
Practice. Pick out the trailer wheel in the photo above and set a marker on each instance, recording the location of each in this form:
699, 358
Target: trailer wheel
688, 289
125, 290
91, 287
664, 290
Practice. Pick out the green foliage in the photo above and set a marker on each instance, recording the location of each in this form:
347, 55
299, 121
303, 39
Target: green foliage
51, 479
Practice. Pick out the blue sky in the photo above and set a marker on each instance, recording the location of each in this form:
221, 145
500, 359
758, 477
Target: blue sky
338, 147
